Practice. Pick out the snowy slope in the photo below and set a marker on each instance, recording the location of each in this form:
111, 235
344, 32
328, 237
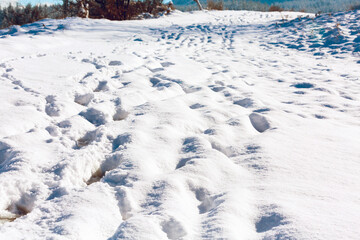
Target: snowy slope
202, 125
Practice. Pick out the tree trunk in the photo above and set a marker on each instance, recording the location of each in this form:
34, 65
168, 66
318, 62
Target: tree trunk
65, 7
199, 4
126, 8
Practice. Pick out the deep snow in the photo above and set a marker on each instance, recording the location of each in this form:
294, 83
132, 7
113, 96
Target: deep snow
203, 125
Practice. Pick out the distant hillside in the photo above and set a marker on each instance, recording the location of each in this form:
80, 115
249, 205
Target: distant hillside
269, 2
186, 5
319, 5
261, 5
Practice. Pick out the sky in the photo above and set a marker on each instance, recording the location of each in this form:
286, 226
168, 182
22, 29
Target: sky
39, 1
24, 2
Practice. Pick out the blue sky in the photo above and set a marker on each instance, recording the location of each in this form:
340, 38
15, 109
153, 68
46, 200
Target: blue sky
24, 2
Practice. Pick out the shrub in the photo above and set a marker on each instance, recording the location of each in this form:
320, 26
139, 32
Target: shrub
274, 8
355, 7
212, 5
117, 9
19, 15
109, 9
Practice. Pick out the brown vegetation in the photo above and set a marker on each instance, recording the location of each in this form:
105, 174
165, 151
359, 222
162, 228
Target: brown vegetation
215, 5
109, 9
96, 177
18, 15
355, 7
115, 9
275, 8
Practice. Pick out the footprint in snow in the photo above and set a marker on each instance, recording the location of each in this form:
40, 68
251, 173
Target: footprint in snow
84, 99
270, 219
155, 70
329, 106
210, 131
262, 110
115, 63
21, 207
320, 116
5, 152
95, 177
303, 85
86, 140
208, 202
87, 75
197, 106
259, 122
124, 204
94, 116
121, 142
167, 64
52, 109
217, 88
97, 64
154, 81
253, 158
184, 161
192, 145
102, 86
120, 114
246, 102
173, 229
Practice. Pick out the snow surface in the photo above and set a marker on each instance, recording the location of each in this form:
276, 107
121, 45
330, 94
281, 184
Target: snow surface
202, 125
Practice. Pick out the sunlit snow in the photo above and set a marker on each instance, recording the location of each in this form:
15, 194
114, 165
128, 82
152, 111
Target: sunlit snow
200, 125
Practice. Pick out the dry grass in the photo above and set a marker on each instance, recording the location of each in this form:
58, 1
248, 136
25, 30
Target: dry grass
215, 5
96, 176
275, 8
355, 7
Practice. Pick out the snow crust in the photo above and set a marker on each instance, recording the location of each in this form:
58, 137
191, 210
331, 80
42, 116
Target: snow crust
201, 125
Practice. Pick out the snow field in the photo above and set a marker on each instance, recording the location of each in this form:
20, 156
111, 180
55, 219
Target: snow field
191, 126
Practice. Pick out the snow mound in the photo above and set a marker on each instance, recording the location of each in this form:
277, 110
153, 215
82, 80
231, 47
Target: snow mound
333, 34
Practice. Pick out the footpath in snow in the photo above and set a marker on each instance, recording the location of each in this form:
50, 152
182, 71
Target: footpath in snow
202, 125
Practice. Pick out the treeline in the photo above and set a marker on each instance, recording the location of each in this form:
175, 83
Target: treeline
109, 9
324, 6
113, 9
19, 15
133, 9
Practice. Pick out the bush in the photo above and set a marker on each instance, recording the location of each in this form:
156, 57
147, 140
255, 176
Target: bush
275, 8
355, 7
116, 9
19, 15
109, 9
212, 5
